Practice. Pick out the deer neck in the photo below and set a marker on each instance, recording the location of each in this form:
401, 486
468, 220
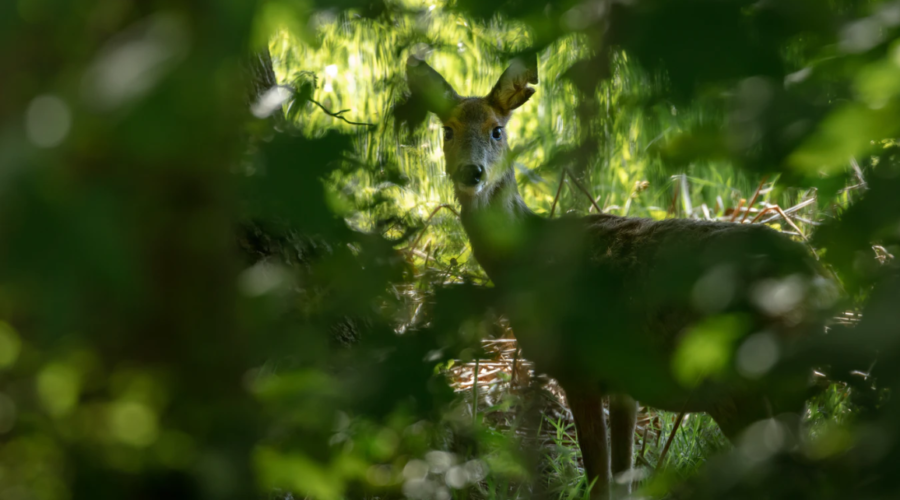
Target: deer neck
496, 221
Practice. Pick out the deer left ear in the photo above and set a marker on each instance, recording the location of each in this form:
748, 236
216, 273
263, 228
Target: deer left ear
427, 84
512, 90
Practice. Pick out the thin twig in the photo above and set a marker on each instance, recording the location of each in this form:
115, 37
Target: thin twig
737, 209
686, 196
449, 272
753, 200
646, 463
475, 393
851, 188
427, 256
761, 213
793, 209
512, 381
562, 178
339, 115
674, 205
644, 439
662, 456
678, 420
858, 172
594, 204
583, 190
640, 457
658, 434
789, 221
430, 216
782, 214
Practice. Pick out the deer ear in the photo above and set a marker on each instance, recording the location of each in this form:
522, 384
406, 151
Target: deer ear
512, 90
429, 86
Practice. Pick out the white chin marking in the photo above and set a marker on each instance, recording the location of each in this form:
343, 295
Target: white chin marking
470, 190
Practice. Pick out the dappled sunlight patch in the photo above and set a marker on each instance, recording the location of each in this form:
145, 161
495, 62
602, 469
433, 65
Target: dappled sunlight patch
10, 345
272, 387
847, 132
48, 120
777, 297
133, 424
757, 355
381, 475
323, 358
59, 387
829, 441
264, 278
439, 473
705, 350
297, 472
764, 439
714, 290
136, 60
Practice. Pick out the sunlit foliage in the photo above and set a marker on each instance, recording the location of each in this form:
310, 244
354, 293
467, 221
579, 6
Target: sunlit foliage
200, 301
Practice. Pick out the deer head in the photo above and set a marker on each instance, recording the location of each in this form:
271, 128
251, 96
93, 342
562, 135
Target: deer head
475, 140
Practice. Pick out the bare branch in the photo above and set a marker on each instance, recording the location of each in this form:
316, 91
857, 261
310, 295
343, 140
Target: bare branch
339, 115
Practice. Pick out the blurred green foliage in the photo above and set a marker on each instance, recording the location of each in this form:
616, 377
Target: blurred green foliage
196, 302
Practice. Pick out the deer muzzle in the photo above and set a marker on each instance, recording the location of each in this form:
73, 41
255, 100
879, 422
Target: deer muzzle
469, 175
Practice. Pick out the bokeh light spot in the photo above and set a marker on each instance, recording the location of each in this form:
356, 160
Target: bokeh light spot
47, 121
10, 345
705, 350
133, 423
757, 355
58, 387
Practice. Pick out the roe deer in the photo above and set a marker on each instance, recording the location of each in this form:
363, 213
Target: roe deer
623, 307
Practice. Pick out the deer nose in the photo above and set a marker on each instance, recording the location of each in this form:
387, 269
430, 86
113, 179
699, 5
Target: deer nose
469, 175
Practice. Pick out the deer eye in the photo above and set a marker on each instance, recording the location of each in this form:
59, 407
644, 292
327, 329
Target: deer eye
448, 133
497, 133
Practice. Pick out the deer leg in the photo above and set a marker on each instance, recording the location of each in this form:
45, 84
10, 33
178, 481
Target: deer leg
590, 423
622, 423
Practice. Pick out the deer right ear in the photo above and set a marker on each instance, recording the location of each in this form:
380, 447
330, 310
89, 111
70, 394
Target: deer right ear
512, 90
427, 84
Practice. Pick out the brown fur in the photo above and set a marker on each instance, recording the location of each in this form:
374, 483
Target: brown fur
546, 266
472, 122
